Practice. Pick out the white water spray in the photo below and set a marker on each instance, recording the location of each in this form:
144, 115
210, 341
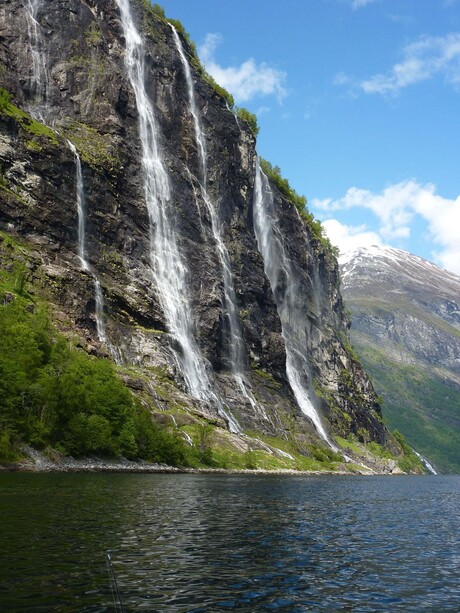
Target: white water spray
168, 266
426, 463
40, 77
81, 209
288, 297
232, 327
80, 192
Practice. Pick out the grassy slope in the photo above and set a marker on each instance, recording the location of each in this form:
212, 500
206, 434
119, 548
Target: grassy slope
419, 404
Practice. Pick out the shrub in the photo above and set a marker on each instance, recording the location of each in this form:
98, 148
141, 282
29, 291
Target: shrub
248, 118
158, 10
52, 395
300, 202
5, 99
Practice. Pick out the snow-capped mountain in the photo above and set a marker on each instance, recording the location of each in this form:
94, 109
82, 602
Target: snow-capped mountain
394, 271
406, 328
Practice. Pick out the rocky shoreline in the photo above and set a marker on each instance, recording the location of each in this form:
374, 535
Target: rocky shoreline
115, 467
92, 466
37, 462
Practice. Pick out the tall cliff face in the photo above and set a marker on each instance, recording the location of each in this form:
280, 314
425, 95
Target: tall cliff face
72, 67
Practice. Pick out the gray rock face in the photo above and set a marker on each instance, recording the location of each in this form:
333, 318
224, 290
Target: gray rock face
405, 327
87, 98
405, 305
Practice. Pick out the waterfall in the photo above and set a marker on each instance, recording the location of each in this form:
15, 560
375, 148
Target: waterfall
99, 300
40, 77
98, 295
39, 90
288, 296
168, 266
80, 190
426, 463
232, 328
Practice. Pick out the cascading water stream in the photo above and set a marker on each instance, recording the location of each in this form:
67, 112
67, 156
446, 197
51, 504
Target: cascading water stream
236, 350
168, 267
80, 191
39, 89
426, 463
99, 300
40, 77
288, 297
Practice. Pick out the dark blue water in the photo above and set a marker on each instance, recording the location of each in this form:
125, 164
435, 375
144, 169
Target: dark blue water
216, 543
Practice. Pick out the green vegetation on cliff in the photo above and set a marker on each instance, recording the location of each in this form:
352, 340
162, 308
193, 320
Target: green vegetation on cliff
314, 225
60, 400
55, 396
34, 129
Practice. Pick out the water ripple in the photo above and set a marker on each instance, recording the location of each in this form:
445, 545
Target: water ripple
193, 543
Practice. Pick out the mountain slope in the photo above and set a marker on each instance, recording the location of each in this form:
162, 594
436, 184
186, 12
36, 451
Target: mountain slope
406, 329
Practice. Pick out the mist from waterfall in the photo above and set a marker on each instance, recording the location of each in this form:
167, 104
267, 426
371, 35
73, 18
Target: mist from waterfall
169, 268
39, 85
231, 321
81, 209
289, 298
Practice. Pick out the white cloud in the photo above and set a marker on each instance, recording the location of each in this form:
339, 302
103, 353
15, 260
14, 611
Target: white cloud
348, 238
245, 81
261, 110
395, 208
357, 4
422, 60
341, 79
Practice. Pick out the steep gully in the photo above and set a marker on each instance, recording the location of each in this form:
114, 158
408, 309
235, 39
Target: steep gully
168, 267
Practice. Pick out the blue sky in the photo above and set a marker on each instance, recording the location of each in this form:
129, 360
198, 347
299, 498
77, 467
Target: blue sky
358, 102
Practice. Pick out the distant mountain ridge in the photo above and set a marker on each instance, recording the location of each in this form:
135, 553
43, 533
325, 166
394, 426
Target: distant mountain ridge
406, 328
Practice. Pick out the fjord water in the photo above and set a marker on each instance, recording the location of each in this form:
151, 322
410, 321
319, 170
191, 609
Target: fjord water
218, 542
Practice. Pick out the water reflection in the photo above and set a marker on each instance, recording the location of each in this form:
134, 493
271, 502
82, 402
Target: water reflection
211, 543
